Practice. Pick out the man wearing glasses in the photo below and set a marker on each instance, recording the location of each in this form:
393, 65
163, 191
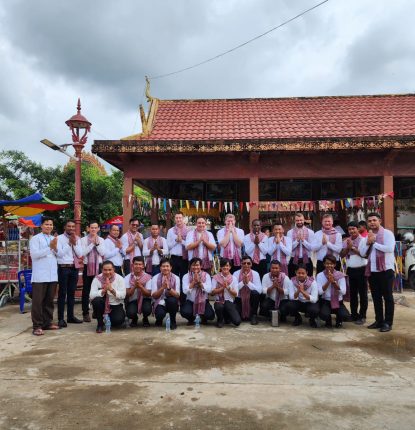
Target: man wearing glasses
132, 244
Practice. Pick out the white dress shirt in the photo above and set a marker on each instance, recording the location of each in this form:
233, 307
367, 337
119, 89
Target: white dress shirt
125, 245
175, 248
134, 296
302, 243
118, 285
321, 249
191, 292
388, 248
354, 261
113, 253
312, 292
66, 250
87, 248
44, 262
221, 234
227, 295
280, 248
190, 240
255, 285
321, 279
155, 258
154, 287
250, 247
267, 282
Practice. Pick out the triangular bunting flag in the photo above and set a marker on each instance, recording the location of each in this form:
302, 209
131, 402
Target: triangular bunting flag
247, 206
226, 206
208, 206
203, 206
187, 204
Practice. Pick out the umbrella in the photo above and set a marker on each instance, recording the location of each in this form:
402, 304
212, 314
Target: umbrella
32, 205
116, 220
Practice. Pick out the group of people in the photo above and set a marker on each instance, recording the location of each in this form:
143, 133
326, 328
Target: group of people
136, 277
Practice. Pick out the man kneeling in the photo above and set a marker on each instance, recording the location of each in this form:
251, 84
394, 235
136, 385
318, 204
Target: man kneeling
276, 286
303, 297
138, 285
197, 285
225, 289
332, 286
165, 288
107, 296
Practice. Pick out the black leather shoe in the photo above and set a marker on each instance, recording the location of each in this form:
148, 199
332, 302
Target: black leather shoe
134, 323
254, 320
385, 328
219, 324
339, 324
360, 321
74, 320
313, 323
328, 324
159, 323
298, 321
374, 325
62, 324
283, 319
146, 322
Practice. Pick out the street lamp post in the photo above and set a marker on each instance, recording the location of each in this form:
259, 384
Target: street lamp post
76, 124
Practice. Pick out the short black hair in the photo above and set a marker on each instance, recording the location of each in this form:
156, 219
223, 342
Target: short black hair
331, 258
165, 260
301, 266
275, 262
106, 262
46, 218
195, 260
138, 258
224, 261
93, 222
373, 214
363, 223
353, 224
112, 226
246, 257
70, 220
133, 219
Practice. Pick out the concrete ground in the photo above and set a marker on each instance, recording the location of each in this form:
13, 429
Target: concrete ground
244, 378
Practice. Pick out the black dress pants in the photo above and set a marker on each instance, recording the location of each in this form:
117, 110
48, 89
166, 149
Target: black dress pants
117, 314
171, 307
268, 305
186, 311
310, 309
254, 300
67, 280
381, 287
86, 289
358, 292
132, 308
227, 312
261, 268
326, 311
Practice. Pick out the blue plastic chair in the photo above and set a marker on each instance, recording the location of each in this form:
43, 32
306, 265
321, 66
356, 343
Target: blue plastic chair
25, 286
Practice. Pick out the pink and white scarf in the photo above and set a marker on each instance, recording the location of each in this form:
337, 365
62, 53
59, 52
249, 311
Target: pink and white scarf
227, 252
334, 294
220, 279
76, 258
256, 257
331, 233
149, 259
183, 233
143, 278
355, 243
131, 241
380, 256
280, 281
307, 283
171, 280
206, 264
303, 232
199, 304
105, 282
92, 259
245, 294
283, 257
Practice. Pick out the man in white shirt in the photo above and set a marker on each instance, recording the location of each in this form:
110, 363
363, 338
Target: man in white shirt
93, 249
332, 287
132, 244
256, 246
249, 291
303, 297
113, 249
200, 243
107, 296
379, 247
69, 254
302, 238
165, 290
138, 293
176, 241
276, 287
279, 247
356, 266
154, 248
327, 241
230, 239
225, 289
197, 286
43, 251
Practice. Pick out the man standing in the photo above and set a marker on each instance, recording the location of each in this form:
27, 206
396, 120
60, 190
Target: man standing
363, 228
176, 239
200, 243
279, 247
379, 247
132, 244
230, 240
356, 266
43, 250
256, 247
302, 238
327, 241
249, 291
69, 254
165, 289
155, 247
93, 249
113, 249
197, 285
107, 296
138, 292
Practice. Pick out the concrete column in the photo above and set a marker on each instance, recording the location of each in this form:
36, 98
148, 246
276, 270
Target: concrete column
253, 197
127, 202
388, 204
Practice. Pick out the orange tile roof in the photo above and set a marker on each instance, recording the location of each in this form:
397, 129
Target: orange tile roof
284, 118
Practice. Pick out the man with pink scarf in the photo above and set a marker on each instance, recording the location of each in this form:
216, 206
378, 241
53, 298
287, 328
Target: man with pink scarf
256, 247
327, 241
176, 241
201, 244
378, 247
132, 244
249, 291
107, 296
93, 250
197, 286
154, 249
230, 239
332, 287
279, 247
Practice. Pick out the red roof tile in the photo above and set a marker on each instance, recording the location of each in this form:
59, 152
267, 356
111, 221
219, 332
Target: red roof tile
325, 117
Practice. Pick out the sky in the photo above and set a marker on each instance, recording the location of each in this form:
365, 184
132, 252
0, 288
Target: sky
53, 52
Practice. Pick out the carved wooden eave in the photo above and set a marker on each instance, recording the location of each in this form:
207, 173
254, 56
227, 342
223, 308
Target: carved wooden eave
305, 144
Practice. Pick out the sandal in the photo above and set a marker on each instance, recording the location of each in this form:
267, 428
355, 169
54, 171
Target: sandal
38, 332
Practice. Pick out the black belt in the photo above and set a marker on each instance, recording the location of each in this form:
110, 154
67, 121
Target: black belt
66, 265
